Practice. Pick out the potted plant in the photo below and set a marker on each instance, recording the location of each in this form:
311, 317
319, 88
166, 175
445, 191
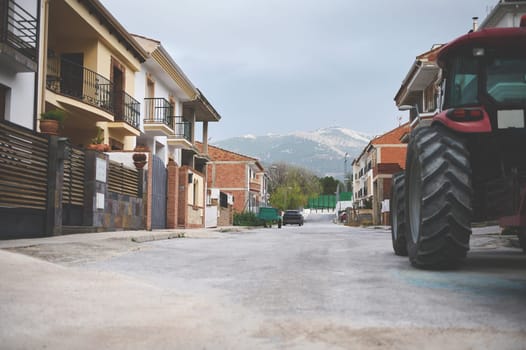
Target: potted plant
97, 142
51, 121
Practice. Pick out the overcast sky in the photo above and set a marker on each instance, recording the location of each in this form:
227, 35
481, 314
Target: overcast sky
275, 66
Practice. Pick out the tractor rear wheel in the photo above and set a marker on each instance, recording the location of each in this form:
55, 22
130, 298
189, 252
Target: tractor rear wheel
438, 193
397, 204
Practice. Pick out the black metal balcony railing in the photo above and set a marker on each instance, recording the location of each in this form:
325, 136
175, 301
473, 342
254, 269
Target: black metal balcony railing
18, 28
127, 108
158, 111
183, 129
73, 80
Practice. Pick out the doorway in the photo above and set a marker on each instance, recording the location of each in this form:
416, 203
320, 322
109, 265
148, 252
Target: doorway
117, 78
72, 74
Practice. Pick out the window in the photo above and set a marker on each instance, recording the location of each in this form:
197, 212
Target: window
506, 80
150, 87
463, 83
223, 200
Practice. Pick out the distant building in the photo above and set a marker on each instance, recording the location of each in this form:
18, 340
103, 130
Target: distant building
241, 176
373, 169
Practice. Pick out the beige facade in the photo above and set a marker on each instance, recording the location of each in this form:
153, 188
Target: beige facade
89, 72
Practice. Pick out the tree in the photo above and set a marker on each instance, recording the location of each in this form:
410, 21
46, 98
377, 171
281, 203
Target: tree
291, 186
329, 185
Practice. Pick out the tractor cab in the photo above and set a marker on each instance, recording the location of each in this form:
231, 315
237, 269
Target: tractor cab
484, 86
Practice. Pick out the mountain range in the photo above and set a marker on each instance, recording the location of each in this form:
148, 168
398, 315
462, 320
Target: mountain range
322, 151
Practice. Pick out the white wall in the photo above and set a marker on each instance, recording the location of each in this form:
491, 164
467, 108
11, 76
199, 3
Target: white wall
157, 144
140, 93
511, 19
21, 98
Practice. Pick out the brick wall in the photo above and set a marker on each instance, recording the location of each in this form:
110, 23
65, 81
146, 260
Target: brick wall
240, 200
229, 175
225, 216
182, 194
172, 204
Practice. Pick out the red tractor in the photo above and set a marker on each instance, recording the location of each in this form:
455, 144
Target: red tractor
469, 163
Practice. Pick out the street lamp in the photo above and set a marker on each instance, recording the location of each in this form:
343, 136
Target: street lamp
345, 159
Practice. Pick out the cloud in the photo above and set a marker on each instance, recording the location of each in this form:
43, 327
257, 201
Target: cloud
286, 65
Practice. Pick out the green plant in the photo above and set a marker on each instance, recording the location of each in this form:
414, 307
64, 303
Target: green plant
54, 114
247, 219
99, 139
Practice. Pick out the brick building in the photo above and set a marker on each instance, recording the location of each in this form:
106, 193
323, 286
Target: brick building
241, 176
374, 168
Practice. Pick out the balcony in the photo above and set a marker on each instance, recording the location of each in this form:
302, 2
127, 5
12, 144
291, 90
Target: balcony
255, 185
182, 136
158, 120
75, 81
18, 37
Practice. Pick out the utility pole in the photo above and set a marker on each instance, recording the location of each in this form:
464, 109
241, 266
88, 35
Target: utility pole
345, 159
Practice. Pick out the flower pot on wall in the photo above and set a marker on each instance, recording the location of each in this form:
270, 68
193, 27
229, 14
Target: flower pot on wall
51, 121
139, 159
49, 126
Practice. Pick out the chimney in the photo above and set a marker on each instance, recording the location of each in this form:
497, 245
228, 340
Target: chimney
475, 24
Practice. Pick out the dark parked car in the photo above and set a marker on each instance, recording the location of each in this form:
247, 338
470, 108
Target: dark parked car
292, 217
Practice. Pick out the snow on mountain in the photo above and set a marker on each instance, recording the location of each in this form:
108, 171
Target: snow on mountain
321, 151
338, 139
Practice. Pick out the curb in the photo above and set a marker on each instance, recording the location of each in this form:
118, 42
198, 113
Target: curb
158, 237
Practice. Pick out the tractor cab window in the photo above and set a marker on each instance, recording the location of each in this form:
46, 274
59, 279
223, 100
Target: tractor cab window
506, 80
463, 82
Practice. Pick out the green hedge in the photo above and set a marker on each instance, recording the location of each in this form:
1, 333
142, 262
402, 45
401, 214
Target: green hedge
247, 219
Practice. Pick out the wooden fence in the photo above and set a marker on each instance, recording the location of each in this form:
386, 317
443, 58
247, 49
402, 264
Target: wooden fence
23, 168
74, 178
123, 180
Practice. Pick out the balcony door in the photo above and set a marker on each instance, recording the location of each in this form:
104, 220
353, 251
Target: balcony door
150, 94
117, 78
72, 74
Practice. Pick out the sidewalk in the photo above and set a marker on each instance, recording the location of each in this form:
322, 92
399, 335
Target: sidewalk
138, 236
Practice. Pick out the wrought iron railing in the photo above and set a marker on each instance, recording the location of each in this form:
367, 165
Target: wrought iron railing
18, 28
127, 109
158, 110
183, 129
73, 80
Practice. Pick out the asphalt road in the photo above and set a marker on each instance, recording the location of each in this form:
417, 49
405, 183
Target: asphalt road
319, 286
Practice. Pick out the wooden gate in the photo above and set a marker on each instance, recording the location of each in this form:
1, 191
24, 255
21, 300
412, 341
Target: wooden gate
73, 188
23, 181
159, 193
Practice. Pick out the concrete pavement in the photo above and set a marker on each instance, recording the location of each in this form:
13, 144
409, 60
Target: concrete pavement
319, 286
138, 236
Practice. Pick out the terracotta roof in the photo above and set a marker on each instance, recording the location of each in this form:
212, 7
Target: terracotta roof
220, 154
392, 137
